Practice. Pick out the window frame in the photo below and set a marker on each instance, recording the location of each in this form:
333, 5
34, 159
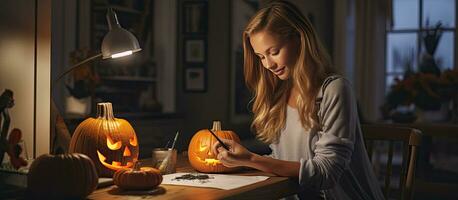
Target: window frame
421, 29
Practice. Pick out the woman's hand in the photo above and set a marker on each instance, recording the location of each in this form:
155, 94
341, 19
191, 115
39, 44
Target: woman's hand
235, 157
240, 156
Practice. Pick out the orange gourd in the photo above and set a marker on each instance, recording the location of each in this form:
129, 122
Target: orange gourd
110, 142
200, 155
143, 178
63, 176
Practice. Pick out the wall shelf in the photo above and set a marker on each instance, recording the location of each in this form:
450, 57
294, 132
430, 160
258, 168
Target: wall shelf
118, 9
129, 79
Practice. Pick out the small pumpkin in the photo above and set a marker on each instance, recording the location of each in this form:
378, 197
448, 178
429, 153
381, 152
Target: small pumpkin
110, 142
138, 178
63, 176
200, 155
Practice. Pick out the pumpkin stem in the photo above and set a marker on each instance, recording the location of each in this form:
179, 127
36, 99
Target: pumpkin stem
136, 166
216, 126
105, 110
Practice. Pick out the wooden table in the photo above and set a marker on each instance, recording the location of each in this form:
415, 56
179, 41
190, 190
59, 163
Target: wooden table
273, 188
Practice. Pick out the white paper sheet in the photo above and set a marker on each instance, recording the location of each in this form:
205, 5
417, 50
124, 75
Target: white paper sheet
225, 182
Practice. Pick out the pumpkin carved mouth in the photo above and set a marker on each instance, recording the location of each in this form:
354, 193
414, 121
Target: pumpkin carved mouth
209, 161
114, 164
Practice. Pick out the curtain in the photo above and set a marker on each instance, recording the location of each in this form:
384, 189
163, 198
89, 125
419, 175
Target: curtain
371, 17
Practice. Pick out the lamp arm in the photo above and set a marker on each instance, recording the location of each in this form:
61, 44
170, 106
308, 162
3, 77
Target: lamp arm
74, 67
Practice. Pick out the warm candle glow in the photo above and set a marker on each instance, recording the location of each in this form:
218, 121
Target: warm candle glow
213, 162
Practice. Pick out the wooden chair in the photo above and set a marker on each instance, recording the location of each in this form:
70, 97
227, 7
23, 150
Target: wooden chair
409, 139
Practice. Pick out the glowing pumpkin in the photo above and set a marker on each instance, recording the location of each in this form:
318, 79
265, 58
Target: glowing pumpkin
200, 155
110, 142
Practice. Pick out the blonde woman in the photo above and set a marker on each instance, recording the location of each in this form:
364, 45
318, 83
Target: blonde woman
301, 108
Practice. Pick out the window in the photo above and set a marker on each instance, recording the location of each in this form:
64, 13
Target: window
410, 20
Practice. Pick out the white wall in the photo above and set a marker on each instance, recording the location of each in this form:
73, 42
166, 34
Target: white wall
25, 68
165, 19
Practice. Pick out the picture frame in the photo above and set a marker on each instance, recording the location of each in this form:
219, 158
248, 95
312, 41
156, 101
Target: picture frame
195, 79
195, 51
195, 17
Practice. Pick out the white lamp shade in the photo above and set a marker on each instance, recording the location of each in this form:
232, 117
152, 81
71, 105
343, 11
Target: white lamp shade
119, 40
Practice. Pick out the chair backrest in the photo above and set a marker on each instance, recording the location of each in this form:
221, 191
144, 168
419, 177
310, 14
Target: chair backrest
389, 136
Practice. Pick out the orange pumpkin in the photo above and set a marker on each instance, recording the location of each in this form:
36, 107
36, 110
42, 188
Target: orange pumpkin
110, 142
200, 155
143, 178
63, 176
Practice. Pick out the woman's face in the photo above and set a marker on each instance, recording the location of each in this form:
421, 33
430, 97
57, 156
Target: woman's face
276, 54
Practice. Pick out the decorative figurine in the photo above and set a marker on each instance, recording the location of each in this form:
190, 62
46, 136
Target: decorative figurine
10, 146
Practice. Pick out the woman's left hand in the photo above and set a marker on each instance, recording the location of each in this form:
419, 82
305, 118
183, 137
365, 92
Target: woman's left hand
235, 157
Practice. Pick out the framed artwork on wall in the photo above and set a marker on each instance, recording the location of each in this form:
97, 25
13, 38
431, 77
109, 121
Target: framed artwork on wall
195, 15
195, 51
193, 43
195, 79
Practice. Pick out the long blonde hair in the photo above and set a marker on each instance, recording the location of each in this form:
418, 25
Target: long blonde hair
271, 94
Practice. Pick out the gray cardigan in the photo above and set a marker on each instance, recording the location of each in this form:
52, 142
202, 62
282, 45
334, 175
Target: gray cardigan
333, 160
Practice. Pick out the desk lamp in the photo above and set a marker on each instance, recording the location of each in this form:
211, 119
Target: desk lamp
118, 42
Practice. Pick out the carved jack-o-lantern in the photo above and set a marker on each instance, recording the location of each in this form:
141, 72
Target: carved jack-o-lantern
110, 142
200, 155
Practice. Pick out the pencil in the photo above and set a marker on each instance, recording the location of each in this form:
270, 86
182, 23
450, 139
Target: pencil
219, 140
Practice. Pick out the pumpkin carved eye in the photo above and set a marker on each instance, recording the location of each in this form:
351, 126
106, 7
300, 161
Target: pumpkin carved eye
113, 146
133, 141
203, 147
